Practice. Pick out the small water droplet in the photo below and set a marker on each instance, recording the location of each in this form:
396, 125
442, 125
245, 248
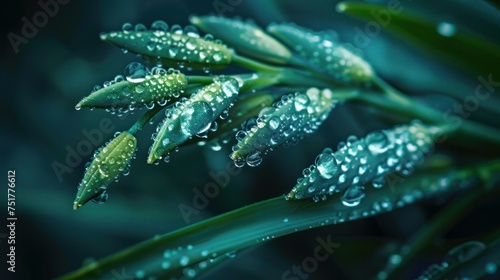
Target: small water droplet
490, 268
136, 72
446, 29
395, 259
466, 251
353, 195
127, 27
377, 142
254, 159
184, 260
140, 274
195, 119
301, 102
326, 165
101, 198
378, 182
274, 122
165, 265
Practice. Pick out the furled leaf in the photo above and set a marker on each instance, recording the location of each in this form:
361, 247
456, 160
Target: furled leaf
365, 160
173, 48
322, 50
193, 116
109, 162
283, 123
138, 88
245, 37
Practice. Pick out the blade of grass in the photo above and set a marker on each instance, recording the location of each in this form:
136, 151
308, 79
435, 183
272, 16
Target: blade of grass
472, 52
264, 221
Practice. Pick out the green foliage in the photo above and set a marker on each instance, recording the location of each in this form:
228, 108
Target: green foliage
305, 74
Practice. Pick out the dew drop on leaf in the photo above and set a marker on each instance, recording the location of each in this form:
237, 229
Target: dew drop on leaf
165, 265
466, 251
127, 27
184, 260
101, 198
196, 118
254, 159
490, 268
136, 72
377, 142
353, 195
326, 165
446, 29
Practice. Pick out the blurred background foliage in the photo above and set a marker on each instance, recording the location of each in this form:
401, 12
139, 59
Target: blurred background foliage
42, 83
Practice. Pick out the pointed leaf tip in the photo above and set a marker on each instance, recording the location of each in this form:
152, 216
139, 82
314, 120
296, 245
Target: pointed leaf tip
108, 164
139, 88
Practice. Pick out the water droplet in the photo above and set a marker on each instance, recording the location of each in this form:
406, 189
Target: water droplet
140, 274
326, 165
136, 72
285, 220
127, 27
274, 122
165, 264
191, 44
195, 119
377, 142
254, 159
189, 272
140, 27
353, 195
159, 27
395, 259
101, 198
378, 182
466, 251
217, 57
446, 29
184, 260
301, 102
490, 268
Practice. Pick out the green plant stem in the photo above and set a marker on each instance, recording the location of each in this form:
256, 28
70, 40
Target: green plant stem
144, 119
266, 220
411, 109
254, 65
199, 79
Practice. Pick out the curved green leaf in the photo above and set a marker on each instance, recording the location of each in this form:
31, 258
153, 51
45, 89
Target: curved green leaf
285, 122
264, 221
124, 94
468, 50
369, 159
322, 50
174, 49
245, 37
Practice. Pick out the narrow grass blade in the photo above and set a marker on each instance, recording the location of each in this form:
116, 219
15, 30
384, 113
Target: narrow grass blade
264, 221
470, 51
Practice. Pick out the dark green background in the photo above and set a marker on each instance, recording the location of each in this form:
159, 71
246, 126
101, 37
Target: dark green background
41, 84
